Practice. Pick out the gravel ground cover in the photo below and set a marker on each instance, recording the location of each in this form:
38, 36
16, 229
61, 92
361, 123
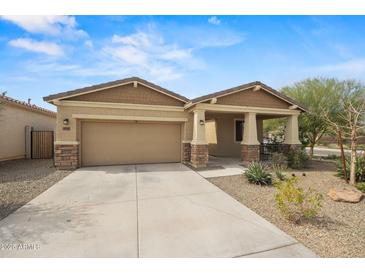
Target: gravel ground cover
23, 180
339, 231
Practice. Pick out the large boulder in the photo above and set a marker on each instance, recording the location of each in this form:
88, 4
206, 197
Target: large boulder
345, 195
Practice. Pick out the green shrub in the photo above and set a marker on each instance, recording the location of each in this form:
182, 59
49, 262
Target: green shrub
279, 175
297, 158
257, 173
295, 203
279, 162
359, 169
361, 187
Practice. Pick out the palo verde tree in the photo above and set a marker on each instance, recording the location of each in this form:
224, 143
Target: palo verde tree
274, 128
315, 94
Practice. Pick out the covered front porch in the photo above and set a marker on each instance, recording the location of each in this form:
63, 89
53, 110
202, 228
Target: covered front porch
237, 132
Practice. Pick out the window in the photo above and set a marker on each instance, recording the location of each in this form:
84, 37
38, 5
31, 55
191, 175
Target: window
238, 130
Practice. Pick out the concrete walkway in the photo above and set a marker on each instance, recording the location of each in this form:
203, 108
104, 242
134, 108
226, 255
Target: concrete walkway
222, 166
164, 210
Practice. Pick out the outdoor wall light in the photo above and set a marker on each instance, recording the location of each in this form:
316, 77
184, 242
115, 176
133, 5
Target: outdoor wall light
65, 121
201, 122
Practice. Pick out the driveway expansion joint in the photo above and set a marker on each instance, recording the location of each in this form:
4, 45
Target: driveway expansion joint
267, 250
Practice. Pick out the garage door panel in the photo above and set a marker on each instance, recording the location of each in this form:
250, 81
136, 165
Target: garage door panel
110, 143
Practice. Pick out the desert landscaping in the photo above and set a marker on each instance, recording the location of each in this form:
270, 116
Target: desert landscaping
23, 180
337, 231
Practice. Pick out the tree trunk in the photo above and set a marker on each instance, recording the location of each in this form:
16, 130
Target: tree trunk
343, 157
311, 151
353, 158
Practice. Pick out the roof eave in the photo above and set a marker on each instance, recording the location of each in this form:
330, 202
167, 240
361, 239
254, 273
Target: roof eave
244, 87
94, 88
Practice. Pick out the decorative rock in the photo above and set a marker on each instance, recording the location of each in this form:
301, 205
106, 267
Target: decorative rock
345, 195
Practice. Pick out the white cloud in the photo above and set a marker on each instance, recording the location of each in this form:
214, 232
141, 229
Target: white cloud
148, 53
214, 20
139, 39
35, 46
55, 25
177, 54
143, 53
129, 54
88, 44
149, 45
352, 67
165, 73
224, 41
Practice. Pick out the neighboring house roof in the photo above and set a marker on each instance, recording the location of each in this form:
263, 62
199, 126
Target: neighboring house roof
247, 86
79, 91
27, 106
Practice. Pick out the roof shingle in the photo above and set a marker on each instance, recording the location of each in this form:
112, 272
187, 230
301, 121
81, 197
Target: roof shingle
113, 83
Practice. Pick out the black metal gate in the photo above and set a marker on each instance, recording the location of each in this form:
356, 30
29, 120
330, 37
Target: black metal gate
266, 150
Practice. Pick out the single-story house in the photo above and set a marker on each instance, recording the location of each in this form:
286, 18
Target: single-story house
133, 121
17, 118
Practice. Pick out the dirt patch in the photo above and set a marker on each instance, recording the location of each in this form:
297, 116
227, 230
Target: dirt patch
23, 180
339, 231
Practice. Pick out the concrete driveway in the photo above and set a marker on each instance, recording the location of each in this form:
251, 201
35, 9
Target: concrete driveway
162, 210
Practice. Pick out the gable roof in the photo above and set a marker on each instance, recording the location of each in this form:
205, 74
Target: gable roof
25, 105
189, 103
121, 82
244, 87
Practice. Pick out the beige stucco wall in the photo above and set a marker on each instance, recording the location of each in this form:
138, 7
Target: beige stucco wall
220, 134
224, 145
210, 131
13, 120
64, 112
260, 129
74, 132
211, 136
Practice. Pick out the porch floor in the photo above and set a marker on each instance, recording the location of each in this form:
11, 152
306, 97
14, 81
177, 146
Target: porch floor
222, 166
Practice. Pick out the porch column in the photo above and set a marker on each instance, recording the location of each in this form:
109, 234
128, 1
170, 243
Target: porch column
250, 146
291, 139
199, 147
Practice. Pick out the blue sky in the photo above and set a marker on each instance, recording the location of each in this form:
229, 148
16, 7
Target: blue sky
191, 55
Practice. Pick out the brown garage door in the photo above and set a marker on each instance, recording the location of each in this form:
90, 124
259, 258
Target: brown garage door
112, 143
